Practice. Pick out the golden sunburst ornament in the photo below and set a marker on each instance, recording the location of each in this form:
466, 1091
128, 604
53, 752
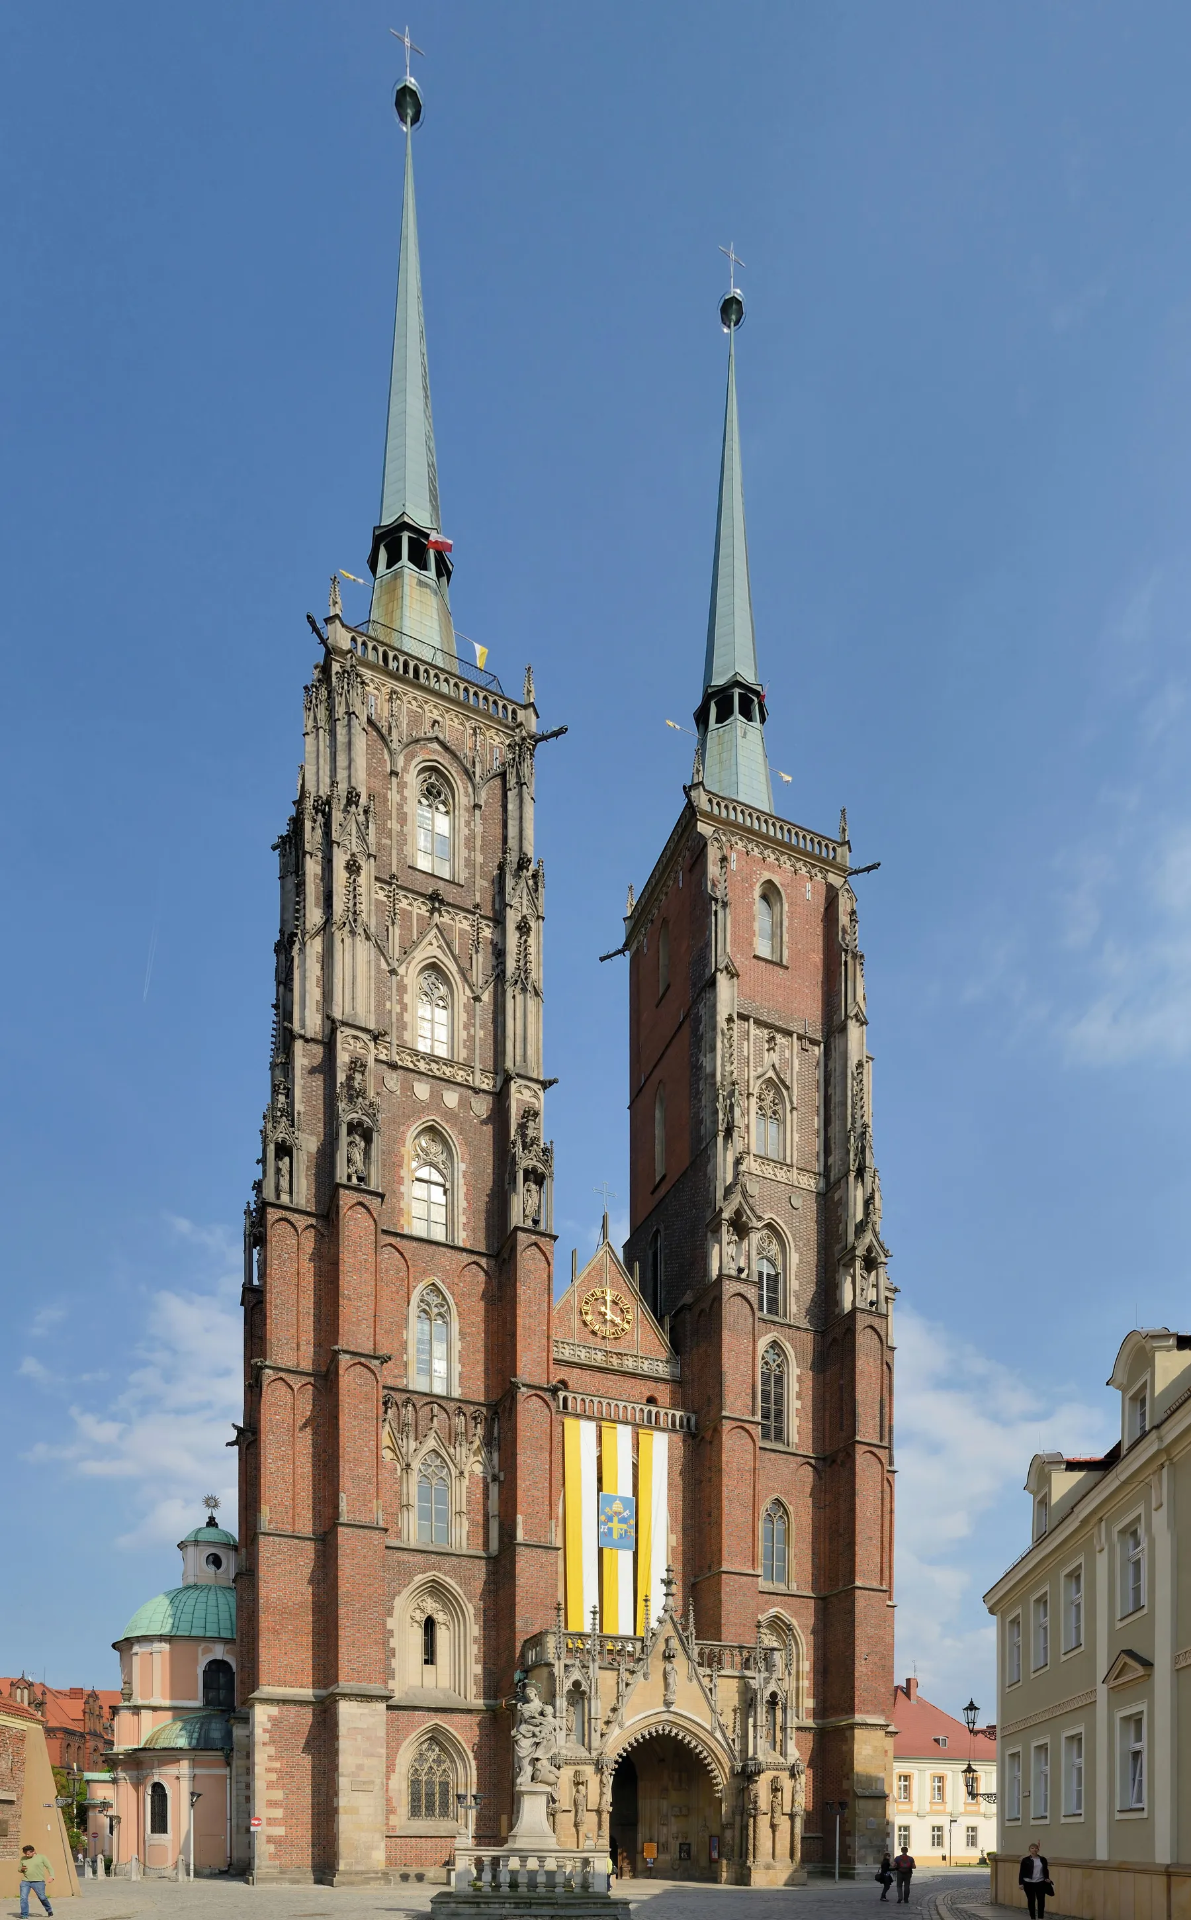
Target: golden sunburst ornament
607, 1312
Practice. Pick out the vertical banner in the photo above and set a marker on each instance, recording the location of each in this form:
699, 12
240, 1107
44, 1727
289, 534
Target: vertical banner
618, 1526
653, 1523
581, 1521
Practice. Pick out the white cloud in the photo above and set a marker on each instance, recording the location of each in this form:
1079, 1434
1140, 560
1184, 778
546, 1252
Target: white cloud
163, 1435
45, 1319
1133, 918
966, 1428
31, 1369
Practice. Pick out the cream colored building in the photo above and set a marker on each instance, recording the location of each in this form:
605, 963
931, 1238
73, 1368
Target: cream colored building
932, 1813
1093, 1658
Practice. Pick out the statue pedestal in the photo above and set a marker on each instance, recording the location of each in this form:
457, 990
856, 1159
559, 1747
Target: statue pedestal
531, 1831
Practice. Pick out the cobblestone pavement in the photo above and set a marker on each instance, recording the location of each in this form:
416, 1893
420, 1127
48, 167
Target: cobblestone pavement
965, 1898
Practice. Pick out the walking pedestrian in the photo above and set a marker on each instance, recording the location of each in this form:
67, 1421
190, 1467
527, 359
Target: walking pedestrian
35, 1871
885, 1876
1034, 1875
903, 1868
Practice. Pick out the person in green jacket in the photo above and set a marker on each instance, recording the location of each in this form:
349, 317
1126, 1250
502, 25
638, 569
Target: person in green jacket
35, 1871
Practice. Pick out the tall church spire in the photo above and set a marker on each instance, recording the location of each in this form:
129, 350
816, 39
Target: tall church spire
731, 713
408, 559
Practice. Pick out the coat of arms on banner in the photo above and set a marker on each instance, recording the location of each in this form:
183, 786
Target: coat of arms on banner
618, 1520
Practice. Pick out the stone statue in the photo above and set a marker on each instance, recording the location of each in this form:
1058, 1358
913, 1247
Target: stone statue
669, 1673
535, 1741
777, 1812
604, 1803
797, 1808
284, 1177
356, 1159
531, 1204
579, 1804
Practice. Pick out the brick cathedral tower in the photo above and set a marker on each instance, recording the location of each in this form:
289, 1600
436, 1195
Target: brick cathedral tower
756, 1212
398, 1255
657, 1511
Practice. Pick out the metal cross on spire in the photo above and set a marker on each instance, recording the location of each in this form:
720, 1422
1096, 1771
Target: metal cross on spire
410, 47
607, 1192
733, 258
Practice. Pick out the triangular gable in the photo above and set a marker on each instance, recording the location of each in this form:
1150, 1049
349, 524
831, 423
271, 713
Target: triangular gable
690, 1704
1128, 1667
598, 1302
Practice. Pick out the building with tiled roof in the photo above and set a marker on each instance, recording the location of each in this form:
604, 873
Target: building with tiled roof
932, 1811
77, 1720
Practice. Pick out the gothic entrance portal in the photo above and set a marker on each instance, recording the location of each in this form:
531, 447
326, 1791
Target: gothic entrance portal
663, 1793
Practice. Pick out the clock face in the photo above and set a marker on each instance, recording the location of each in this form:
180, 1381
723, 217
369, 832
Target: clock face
607, 1312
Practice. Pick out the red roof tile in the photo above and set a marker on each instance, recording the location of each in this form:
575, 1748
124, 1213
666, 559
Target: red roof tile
920, 1726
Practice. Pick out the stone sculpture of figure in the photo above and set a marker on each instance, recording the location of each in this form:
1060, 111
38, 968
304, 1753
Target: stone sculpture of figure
604, 1803
531, 1204
535, 1741
669, 1673
797, 1808
777, 1812
579, 1804
752, 1822
355, 1158
284, 1180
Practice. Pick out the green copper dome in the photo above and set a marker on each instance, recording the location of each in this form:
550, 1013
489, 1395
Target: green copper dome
196, 1613
210, 1537
201, 1732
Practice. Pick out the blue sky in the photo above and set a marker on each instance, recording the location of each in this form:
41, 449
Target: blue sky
965, 395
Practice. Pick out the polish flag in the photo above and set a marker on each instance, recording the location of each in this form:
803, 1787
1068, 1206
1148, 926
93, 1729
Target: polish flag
438, 543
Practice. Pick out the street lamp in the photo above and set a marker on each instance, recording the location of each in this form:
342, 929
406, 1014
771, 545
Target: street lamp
971, 1778
468, 1803
194, 1800
836, 1807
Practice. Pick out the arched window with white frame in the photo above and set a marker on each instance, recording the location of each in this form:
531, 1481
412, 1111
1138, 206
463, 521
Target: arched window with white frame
434, 1502
775, 1545
770, 1130
769, 923
770, 1291
435, 823
432, 1342
773, 1393
431, 1171
434, 1014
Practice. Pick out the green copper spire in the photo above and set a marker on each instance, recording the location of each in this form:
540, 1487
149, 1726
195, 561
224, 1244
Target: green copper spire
409, 558
731, 713
410, 485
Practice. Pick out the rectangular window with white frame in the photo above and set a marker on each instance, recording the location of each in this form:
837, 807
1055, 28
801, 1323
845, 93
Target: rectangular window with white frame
1013, 1650
1041, 1515
1013, 1785
938, 1789
1040, 1780
1073, 1609
1131, 1762
1040, 1619
1138, 1414
1073, 1775
971, 1837
1131, 1566
936, 1836
903, 1839
903, 1788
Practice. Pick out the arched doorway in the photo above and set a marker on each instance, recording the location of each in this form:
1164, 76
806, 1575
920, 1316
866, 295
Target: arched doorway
663, 1793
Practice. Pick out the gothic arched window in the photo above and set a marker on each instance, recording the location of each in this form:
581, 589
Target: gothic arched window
431, 1186
434, 826
659, 1134
771, 1122
434, 1014
434, 1502
773, 1723
430, 1641
769, 924
432, 1345
219, 1685
159, 1808
775, 1551
653, 1274
769, 1278
773, 1394
663, 957
431, 1784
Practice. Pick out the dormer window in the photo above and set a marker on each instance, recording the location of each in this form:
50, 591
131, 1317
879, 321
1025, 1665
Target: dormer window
1139, 1413
1041, 1515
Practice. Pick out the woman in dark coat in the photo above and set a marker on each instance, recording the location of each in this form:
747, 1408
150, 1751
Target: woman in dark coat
885, 1875
1034, 1875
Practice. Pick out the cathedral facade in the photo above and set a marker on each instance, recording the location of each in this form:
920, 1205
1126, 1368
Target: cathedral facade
662, 1501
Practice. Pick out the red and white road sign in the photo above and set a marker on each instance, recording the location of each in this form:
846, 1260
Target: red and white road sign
256, 1821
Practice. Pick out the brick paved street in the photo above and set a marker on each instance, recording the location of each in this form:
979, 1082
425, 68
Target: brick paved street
232, 1900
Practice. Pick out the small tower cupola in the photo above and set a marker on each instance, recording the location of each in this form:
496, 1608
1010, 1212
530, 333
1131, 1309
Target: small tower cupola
409, 558
209, 1553
731, 714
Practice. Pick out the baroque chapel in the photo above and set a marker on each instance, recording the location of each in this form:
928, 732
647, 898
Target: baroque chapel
662, 1499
